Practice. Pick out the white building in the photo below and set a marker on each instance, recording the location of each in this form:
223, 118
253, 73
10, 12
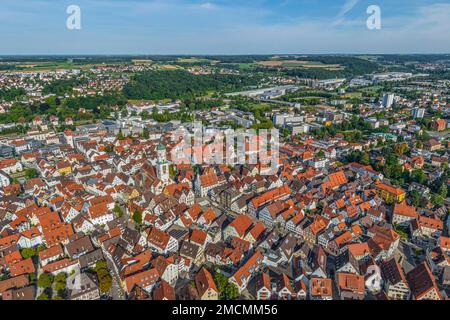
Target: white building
418, 113
4, 179
388, 100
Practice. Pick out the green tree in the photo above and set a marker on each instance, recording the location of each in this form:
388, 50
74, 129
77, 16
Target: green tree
365, 159
145, 133
423, 202
117, 210
109, 148
101, 264
419, 176
120, 136
401, 148
104, 276
443, 190
45, 280
43, 296
61, 277
415, 195
437, 200
172, 171
137, 217
60, 286
227, 290
105, 281
31, 173
145, 115
445, 166
32, 278
28, 253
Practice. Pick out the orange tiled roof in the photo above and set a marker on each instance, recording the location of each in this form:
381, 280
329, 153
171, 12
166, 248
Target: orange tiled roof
204, 281
337, 179
404, 210
51, 252
246, 270
390, 189
198, 236
209, 215
158, 238
241, 224
321, 287
22, 267
257, 230
207, 180
318, 225
98, 210
444, 242
351, 282
142, 279
58, 235
430, 223
358, 249
271, 195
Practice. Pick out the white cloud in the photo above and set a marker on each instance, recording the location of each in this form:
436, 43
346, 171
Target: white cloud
346, 8
348, 5
207, 5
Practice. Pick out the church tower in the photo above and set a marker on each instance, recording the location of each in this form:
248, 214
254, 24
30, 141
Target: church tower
162, 166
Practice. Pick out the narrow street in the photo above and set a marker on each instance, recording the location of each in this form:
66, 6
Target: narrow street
116, 292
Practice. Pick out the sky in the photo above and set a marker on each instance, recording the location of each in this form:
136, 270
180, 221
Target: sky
224, 27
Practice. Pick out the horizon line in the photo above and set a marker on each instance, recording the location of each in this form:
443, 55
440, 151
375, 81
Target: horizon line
205, 54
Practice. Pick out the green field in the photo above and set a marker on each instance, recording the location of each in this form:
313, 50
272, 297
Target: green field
295, 64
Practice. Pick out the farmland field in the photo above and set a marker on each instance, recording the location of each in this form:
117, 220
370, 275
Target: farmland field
292, 64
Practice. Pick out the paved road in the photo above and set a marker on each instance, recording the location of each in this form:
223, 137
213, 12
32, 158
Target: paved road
39, 271
117, 291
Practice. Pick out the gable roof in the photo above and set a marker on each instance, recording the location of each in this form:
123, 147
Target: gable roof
404, 210
204, 281
271, 195
158, 238
241, 224
244, 272
421, 281
351, 282
142, 279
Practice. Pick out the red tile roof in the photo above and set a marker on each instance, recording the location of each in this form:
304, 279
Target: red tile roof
321, 287
351, 282
204, 281
241, 224
158, 238
271, 195
58, 265
142, 279
404, 210
22, 267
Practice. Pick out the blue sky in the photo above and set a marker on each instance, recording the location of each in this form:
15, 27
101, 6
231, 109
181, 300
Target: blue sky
223, 27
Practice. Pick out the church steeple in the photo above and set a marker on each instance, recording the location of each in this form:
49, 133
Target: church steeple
162, 166
161, 151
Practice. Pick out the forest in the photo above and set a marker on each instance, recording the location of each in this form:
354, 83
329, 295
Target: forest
176, 84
